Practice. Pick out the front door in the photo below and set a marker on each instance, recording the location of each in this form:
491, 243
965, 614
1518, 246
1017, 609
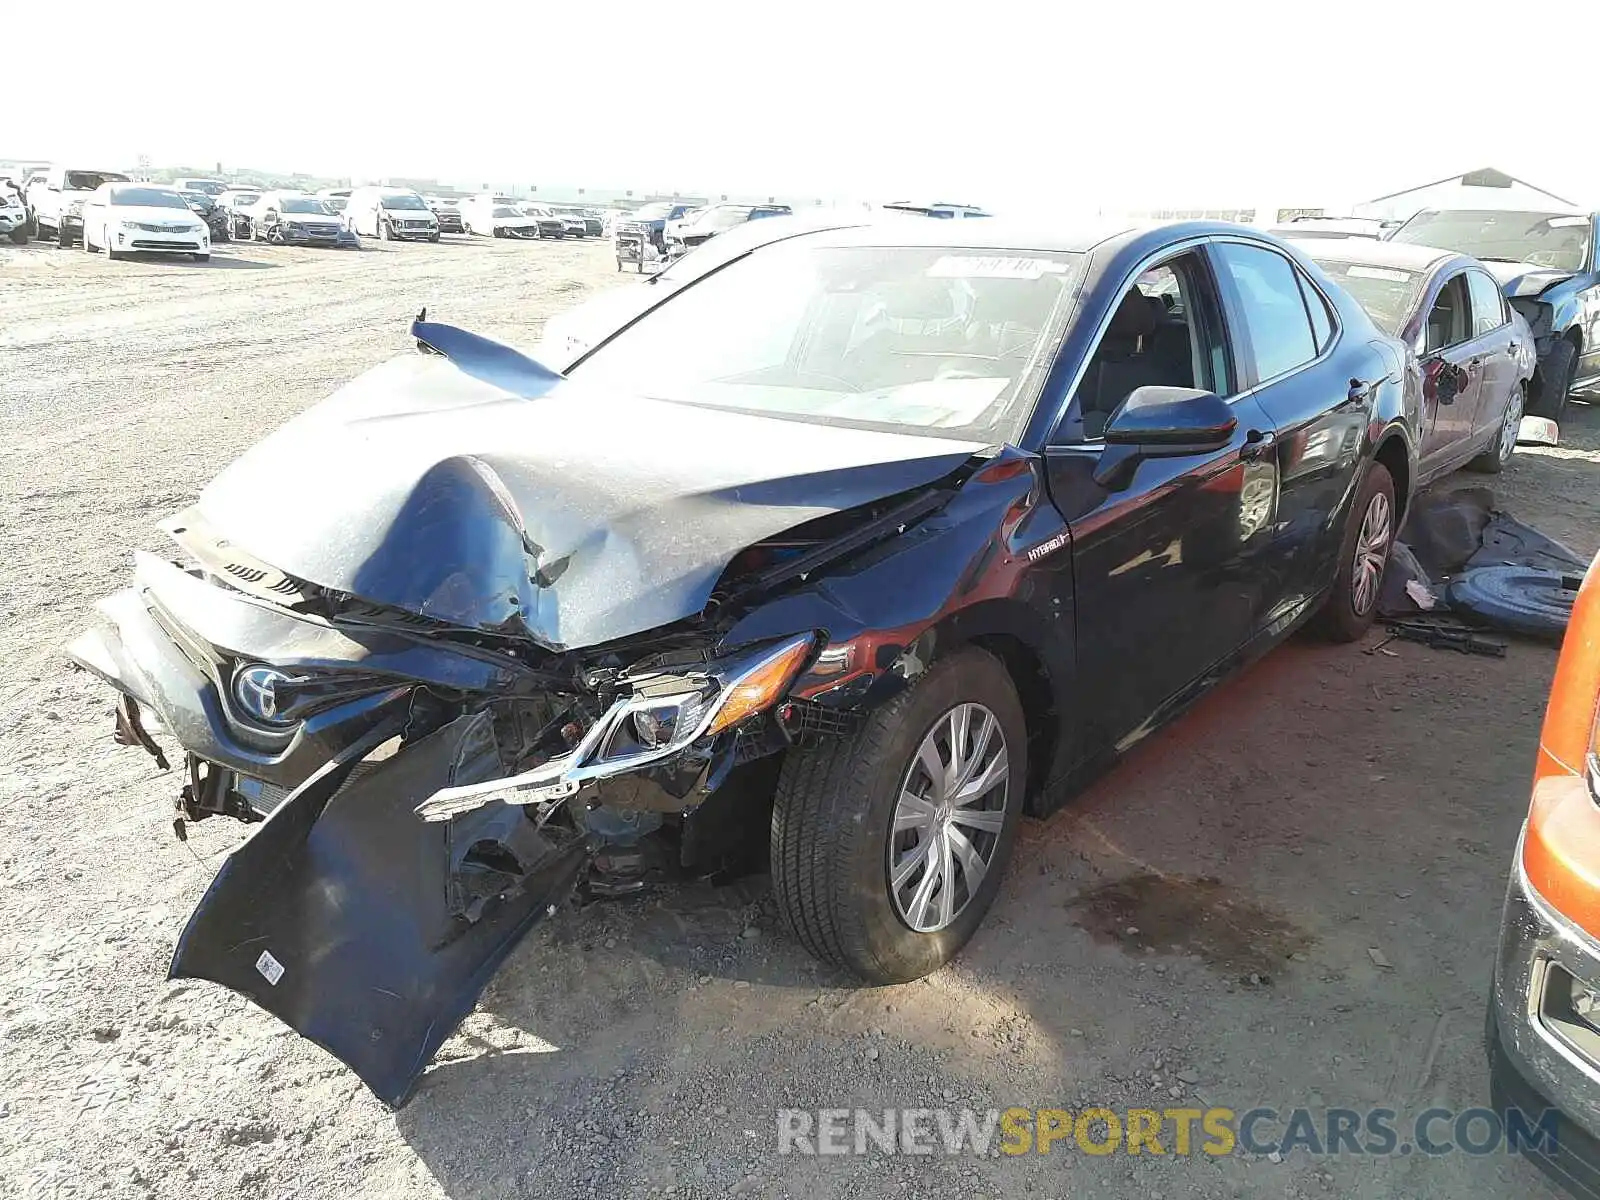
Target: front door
1163, 586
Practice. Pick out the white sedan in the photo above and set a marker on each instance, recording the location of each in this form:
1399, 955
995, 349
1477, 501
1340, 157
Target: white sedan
127, 218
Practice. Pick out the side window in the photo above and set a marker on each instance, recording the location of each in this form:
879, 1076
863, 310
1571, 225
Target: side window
1274, 310
1488, 305
1165, 331
1449, 320
1321, 319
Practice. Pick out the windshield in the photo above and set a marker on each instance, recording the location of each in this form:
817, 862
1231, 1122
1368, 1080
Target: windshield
405, 200
199, 201
147, 197
211, 187
336, 203
930, 340
241, 199
87, 181
1557, 241
505, 210
303, 204
1389, 294
653, 212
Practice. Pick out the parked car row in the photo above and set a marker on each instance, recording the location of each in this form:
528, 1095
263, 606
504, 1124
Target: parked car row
53, 201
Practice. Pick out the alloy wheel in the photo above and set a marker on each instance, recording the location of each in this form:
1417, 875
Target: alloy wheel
1511, 426
948, 818
1372, 554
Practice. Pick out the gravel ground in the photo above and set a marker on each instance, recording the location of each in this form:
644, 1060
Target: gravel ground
1197, 929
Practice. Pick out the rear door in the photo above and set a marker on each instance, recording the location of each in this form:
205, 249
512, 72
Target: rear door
1449, 343
1313, 382
1496, 350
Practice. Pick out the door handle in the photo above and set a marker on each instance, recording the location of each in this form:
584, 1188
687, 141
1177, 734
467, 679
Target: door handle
1257, 443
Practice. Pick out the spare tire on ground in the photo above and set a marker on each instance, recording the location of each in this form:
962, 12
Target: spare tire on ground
1525, 600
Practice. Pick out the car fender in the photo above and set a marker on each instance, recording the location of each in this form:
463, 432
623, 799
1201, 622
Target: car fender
989, 568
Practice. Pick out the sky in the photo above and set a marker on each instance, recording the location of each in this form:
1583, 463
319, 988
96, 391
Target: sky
1011, 105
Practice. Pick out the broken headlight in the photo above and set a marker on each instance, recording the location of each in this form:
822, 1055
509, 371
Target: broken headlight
660, 715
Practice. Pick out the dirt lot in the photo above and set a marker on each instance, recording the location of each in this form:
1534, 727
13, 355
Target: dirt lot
1326, 804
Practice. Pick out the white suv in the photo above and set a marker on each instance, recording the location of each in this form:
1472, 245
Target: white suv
391, 214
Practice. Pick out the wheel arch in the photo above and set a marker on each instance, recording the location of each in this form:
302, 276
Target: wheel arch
1394, 452
1034, 651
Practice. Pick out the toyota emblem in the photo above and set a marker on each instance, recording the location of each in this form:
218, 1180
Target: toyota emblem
255, 688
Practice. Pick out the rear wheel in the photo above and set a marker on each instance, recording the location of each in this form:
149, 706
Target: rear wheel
1498, 453
1363, 555
1556, 374
888, 845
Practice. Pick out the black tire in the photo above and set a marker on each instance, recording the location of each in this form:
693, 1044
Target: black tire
19, 235
1497, 454
1343, 618
1525, 600
385, 231
832, 824
1556, 374
201, 257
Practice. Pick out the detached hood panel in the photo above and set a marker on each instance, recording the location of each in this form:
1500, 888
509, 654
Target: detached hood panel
530, 505
1519, 279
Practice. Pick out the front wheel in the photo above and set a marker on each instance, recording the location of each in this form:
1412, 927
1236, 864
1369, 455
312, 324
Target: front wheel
888, 845
18, 234
385, 231
201, 257
1556, 373
1369, 533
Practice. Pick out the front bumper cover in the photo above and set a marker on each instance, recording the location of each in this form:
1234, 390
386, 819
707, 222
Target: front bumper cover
355, 924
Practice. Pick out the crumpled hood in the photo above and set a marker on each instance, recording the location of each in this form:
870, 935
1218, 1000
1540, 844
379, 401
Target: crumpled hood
534, 506
1521, 279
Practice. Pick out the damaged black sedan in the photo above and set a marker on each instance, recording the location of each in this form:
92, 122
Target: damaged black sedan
845, 555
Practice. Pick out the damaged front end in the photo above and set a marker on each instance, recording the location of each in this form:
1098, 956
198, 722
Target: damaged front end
484, 669
411, 788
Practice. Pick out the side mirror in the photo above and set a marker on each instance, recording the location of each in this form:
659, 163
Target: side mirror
1162, 422
1442, 381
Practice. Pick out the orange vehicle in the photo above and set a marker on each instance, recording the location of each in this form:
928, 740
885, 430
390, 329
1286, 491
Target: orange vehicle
1544, 1013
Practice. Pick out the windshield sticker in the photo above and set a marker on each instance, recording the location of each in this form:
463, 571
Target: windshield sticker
1359, 272
1566, 222
972, 266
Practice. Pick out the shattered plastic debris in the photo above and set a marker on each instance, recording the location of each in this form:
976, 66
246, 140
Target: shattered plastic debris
1421, 595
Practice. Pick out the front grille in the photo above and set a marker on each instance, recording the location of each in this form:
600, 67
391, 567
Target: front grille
148, 245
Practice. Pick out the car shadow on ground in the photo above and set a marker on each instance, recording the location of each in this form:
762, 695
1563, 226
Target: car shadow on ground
1288, 897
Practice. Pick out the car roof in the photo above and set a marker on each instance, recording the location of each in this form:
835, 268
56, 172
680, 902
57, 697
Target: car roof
1368, 252
991, 234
